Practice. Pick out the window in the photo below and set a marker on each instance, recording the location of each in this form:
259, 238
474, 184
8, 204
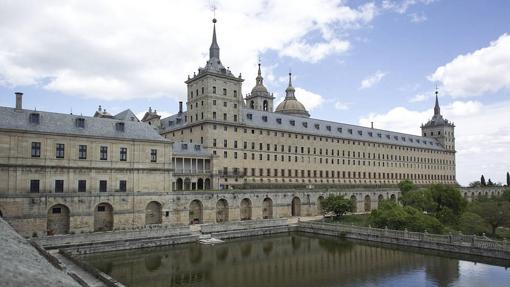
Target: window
225, 104
34, 118
305, 124
292, 122
80, 123
224, 92
36, 149
317, 126
224, 116
249, 116
34, 185
235, 94
214, 90
103, 153
82, 152
59, 152
123, 154
339, 130
264, 118
202, 90
82, 185
122, 186
102, 186
119, 127
214, 115
235, 118
59, 186
154, 155
279, 121
56, 210
101, 208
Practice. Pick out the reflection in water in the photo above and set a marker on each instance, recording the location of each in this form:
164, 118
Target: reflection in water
292, 260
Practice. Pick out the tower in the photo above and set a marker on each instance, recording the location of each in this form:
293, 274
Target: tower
214, 94
440, 128
290, 105
260, 98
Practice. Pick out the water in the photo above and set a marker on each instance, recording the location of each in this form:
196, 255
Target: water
293, 260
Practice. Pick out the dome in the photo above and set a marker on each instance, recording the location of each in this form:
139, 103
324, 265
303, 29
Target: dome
291, 106
259, 89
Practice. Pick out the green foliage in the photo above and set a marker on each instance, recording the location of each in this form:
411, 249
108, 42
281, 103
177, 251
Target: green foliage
495, 212
336, 204
394, 216
472, 223
506, 195
475, 184
419, 199
447, 197
406, 185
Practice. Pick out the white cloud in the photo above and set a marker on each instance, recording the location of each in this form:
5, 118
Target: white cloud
473, 74
482, 135
418, 17
341, 106
402, 6
419, 98
125, 49
372, 80
309, 99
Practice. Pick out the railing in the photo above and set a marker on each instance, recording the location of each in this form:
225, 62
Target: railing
230, 173
481, 242
189, 171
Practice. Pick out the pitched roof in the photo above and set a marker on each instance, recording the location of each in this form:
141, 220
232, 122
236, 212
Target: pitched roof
66, 124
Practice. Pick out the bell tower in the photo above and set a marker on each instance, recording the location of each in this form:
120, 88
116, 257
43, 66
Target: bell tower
440, 128
260, 98
214, 94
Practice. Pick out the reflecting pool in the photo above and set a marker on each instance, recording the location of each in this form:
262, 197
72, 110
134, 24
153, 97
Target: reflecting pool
293, 260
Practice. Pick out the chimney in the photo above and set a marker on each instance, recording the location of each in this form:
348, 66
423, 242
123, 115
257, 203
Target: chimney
372, 124
180, 107
19, 101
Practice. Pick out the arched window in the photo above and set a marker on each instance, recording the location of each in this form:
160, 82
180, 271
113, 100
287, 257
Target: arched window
252, 104
265, 106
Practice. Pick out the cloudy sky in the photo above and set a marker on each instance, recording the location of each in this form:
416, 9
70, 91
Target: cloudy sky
353, 61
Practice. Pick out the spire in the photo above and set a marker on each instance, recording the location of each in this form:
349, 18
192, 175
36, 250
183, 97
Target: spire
259, 78
289, 92
437, 109
214, 50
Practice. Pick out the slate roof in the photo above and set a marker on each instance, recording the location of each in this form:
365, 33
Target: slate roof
65, 124
192, 149
309, 126
126, 115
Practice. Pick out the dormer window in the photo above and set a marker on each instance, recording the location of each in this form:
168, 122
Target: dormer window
403, 139
305, 124
184, 146
388, 137
197, 147
34, 118
264, 118
249, 116
292, 122
360, 133
349, 131
178, 120
328, 128
279, 121
119, 127
170, 123
339, 130
370, 134
317, 126
411, 140
395, 137
80, 123
379, 135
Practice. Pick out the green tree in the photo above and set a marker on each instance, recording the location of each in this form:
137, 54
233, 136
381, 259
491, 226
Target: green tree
475, 184
419, 199
446, 196
472, 223
336, 204
495, 212
406, 185
482, 181
490, 183
506, 195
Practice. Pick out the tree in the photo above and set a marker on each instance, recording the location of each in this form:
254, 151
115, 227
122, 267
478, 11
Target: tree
482, 181
472, 223
490, 183
419, 199
507, 178
337, 205
406, 185
475, 184
495, 213
394, 216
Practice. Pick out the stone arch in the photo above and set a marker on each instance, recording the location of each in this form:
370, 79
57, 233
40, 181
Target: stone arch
267, 208
222, 210
465, 195
103, 217
196, 210
354, 201
368, 203
393, 198
295, 209
207, 183
187, 184
179, 184
380, 198
58, 220
245, 211
153, 213
252, 104
200, 184
320, 199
